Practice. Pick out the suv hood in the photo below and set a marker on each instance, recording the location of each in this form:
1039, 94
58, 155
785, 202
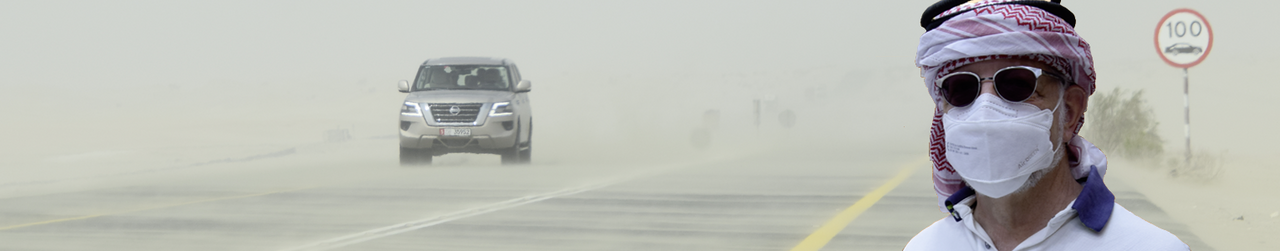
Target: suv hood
459, 96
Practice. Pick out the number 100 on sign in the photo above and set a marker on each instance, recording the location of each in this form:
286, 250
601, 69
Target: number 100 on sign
1183, 38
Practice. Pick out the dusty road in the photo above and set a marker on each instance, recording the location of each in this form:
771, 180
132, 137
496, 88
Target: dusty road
353, 196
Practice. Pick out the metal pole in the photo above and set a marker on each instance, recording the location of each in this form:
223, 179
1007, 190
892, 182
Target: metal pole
1186, 102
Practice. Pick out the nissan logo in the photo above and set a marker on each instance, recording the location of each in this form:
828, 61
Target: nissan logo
454, 110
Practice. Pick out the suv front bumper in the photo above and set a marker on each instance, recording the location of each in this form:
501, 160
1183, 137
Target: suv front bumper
495, 134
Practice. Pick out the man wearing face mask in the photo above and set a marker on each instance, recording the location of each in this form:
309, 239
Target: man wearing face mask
1011, 81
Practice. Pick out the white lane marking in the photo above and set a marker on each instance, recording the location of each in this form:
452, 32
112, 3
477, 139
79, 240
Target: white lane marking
436, 220
427, 222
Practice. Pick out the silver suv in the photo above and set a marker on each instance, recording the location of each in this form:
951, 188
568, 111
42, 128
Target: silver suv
466, 105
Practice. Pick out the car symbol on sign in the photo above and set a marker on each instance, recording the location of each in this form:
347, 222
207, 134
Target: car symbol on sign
1182, 48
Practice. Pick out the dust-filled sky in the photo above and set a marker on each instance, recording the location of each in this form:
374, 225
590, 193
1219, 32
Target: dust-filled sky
92, 77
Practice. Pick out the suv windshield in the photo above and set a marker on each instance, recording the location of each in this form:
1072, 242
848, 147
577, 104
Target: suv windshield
462, 77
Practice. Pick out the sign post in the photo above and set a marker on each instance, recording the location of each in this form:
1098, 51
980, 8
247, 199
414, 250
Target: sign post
1183, 39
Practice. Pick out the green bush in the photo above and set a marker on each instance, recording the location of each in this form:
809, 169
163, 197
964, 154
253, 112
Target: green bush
1122, 124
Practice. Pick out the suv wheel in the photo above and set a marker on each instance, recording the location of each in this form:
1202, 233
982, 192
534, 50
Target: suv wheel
526, 155
411, 156
512, 155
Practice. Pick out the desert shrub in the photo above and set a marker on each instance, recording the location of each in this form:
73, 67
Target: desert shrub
1122, 124
1204, 165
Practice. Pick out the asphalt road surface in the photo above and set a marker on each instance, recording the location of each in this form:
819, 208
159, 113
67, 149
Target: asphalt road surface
353, 196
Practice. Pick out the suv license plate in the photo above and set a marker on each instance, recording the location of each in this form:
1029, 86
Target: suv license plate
455, 131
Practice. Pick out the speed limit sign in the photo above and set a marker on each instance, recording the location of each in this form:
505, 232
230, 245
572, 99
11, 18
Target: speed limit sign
1183, 38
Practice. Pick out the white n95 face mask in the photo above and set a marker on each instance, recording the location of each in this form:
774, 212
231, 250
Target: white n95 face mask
995, 145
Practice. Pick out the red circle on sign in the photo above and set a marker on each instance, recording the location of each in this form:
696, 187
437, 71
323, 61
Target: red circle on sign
1208, 48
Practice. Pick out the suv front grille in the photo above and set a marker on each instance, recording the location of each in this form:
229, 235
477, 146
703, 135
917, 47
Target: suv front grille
444, 112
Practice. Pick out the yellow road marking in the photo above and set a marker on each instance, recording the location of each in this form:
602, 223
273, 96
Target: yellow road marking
146, 208
819, 238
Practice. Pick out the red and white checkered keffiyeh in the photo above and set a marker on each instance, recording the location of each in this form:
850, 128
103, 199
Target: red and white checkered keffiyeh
989, 30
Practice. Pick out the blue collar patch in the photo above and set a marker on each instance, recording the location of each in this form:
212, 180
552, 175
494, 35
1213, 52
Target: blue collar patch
955, 198
1093, 205
1095, 201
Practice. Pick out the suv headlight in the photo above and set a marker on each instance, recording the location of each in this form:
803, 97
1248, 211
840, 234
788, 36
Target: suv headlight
410, 109
501, 109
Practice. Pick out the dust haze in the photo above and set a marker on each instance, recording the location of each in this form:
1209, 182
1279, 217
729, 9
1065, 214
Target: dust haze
100, 95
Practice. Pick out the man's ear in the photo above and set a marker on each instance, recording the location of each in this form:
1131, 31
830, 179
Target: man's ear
1076, 102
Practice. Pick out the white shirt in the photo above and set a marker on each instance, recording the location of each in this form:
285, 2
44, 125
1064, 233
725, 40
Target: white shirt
1067, 230
1124, 231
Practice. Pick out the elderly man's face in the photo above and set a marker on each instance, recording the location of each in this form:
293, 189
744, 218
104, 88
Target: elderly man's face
1048, 91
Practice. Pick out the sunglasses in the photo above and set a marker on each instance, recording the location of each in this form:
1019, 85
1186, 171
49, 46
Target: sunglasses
1014, 83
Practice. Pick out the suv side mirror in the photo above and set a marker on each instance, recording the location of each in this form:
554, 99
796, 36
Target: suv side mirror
524, 86
403, 86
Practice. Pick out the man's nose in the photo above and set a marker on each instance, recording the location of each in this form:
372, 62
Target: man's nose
989, 86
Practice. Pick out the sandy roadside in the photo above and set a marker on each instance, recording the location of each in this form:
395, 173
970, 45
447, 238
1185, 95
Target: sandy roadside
1234, 211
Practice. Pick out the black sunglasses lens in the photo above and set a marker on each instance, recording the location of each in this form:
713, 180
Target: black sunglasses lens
960, 90
1015, 84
